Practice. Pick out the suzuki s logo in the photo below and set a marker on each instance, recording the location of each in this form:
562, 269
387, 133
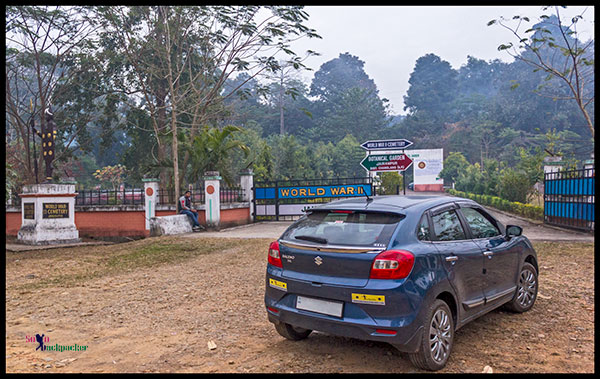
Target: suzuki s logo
318, 260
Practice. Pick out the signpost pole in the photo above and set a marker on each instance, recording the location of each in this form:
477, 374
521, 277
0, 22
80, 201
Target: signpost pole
403, 180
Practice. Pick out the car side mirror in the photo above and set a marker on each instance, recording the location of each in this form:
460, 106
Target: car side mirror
513, 231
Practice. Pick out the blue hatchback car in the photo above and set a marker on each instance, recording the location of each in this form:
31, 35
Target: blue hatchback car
407, 270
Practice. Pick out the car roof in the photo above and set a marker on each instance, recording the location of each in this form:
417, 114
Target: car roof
391, 203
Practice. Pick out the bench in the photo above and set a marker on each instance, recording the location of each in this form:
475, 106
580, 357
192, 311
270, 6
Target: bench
169, 225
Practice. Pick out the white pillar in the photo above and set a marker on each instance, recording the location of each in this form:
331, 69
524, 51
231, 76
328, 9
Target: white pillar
212, 196
150, 197
48, 214
247, 182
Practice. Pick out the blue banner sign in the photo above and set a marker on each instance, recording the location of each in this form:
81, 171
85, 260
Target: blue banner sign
298, 192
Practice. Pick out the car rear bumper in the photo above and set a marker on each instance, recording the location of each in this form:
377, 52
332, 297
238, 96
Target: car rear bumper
357, 321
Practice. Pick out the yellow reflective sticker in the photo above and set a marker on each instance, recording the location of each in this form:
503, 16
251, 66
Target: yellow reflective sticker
277, 284
368, 299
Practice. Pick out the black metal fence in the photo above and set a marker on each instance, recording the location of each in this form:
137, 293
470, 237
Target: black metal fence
569, 198
135, 196
167, 196
228, 195
233, 194
125, 196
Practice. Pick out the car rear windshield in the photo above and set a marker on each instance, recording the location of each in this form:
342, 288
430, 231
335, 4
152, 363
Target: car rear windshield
345, 228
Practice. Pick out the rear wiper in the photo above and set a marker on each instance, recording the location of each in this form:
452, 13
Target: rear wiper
312, 238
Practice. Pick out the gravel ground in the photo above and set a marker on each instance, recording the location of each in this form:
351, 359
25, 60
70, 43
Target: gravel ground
172, 304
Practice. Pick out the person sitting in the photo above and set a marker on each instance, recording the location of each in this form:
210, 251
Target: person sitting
184, 206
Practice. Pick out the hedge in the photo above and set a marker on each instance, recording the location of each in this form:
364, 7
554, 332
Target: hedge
525, 210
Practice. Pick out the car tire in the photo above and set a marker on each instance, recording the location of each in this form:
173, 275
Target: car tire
292, 332
526, 293
437, 338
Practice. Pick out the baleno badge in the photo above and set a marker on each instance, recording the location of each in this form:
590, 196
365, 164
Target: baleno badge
318, 260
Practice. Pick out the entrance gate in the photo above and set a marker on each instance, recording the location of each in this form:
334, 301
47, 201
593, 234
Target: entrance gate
289, 199
569, 198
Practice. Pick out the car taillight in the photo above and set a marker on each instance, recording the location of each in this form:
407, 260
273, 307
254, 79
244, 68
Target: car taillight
392, 264
274, 257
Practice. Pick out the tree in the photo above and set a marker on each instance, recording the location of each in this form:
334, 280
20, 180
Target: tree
290, 158
180, 58
338, 75
45, 64
285, 86
390, 181
355, 111
479, 77
245, 107
486, 132
112, 174
514, 185
454, 165
433, 88
347, 101
554, 48
347, 157
471, 180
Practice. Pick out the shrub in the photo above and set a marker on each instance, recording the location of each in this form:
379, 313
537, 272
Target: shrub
518, 208
514, 186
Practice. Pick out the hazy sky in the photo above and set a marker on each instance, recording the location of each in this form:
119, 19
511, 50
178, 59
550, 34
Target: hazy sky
390, 39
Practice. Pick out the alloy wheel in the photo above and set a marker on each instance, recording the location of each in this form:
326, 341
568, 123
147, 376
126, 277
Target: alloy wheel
440, 335
527, 288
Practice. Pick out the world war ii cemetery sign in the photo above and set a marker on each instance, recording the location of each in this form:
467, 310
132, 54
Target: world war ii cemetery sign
392, 144
393, 160
55, 210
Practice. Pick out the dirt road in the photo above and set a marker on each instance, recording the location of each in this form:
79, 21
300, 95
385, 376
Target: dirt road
155, 305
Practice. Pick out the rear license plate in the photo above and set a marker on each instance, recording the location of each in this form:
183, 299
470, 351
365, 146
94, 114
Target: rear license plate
331, 308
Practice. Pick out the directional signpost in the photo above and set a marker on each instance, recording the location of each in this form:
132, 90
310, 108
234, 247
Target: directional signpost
389, 161
386, 162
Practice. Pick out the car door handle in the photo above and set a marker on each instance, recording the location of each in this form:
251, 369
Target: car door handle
452, 258
488, 254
